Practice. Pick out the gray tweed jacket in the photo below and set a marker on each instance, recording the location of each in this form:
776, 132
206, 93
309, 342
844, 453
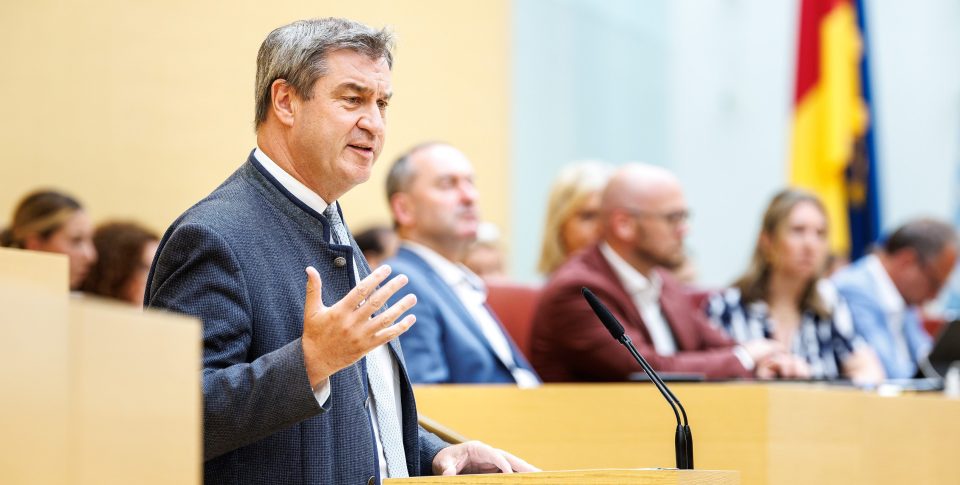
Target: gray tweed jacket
236, 261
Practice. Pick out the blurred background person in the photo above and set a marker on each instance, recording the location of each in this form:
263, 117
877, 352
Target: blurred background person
54, 222
781, 296
125, 251
457, 339
886, 289
378, 244
573, 212
485, 255
644, 224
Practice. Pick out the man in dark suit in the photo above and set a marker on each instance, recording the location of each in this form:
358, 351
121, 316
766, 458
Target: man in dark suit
303, 386
457, 338
644, 216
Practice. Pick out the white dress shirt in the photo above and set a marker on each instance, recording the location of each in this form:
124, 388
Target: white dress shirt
471, 291
381, 353
894, 307
646, 296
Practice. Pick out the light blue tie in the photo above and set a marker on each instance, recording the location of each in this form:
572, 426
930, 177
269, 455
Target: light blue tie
388, 420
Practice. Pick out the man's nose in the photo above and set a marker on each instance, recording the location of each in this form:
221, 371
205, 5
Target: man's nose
372, 121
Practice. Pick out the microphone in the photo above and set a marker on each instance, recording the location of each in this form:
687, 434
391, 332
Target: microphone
683, 440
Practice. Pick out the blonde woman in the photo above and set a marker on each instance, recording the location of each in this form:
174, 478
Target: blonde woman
573, 212
783, 297
54, 222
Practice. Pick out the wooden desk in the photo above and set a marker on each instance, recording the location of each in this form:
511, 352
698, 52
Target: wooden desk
776, 433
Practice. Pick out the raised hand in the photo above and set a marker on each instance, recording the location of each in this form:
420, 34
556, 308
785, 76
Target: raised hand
335, 337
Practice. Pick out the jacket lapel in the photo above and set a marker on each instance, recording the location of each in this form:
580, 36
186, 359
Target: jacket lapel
449, 300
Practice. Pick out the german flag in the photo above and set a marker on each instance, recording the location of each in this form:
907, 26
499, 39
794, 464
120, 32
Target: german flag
832, 146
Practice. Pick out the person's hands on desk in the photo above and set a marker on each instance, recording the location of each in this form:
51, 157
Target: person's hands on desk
476, 457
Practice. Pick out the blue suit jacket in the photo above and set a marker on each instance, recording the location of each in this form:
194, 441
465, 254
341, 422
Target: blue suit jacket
859, 288
445, 345
236, 261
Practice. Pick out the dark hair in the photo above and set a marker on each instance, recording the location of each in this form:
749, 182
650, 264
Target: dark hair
372, 240
753, 283
40, 213
119, 246
926, 236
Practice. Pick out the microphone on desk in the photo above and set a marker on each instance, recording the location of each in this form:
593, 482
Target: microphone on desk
683, 439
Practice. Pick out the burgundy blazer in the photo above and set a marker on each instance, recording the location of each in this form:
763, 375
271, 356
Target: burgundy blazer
568, 342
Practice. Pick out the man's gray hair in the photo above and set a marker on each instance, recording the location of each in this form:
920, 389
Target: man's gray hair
297, 52
928, 237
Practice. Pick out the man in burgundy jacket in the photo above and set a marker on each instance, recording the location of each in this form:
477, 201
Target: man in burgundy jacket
644, 220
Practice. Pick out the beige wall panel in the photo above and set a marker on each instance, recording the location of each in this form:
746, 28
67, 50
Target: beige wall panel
37, 270
142, 108
136, 396
34, 386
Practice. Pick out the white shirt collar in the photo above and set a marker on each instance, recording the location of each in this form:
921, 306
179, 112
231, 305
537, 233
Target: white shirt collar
294, 186
890, 296
631, 279
452, 273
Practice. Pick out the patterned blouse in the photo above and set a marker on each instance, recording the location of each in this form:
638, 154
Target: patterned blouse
825, 343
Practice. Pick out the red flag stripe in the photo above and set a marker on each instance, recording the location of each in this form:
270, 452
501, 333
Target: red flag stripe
812, 14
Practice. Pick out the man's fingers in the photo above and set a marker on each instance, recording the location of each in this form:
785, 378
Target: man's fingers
393, 331
314, 300
502, 463
518, 464
382, 294
391, 314
365, 288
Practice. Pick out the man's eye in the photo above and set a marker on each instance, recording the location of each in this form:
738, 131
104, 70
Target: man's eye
382, 104
352, 99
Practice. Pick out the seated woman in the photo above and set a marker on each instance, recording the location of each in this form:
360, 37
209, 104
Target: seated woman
572, 212
53, 222
126, 251
782, 297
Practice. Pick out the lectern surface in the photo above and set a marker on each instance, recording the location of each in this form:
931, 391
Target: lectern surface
586, 477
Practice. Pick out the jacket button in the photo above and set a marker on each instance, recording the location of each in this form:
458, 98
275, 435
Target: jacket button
372, 481
340, 261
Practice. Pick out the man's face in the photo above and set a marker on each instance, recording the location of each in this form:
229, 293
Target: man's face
337, 135
660, 226
925, 279
441, 202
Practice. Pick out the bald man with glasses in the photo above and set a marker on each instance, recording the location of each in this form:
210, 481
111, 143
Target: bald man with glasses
644, 222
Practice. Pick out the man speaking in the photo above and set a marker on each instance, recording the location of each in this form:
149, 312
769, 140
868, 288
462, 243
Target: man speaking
303, 380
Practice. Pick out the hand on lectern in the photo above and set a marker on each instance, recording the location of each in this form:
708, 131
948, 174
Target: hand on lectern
476, 457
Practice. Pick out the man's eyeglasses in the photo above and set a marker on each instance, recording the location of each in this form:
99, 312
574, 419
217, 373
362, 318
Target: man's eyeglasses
674, 218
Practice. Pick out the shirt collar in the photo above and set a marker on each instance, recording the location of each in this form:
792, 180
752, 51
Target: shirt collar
451, 273
890, 296
633, 281
294, 186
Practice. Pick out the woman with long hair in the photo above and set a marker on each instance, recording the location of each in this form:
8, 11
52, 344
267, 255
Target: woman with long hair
54, 222
783, 297
573, 212
125, 251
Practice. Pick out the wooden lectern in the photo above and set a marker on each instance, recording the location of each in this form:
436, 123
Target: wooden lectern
93, 392
585, 477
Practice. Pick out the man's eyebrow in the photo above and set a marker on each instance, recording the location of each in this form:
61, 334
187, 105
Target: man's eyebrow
361, 89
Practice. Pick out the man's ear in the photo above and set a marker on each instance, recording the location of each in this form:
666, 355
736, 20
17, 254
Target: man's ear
622, 226
284, 101
402, 208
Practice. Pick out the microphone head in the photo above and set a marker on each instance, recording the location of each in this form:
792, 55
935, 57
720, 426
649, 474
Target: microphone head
607, 318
